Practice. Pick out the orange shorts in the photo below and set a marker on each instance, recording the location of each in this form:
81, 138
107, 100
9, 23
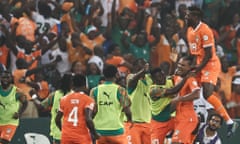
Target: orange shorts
183, 131
160, 130
119, 139
210, 74
7, 132
126, 129
84, 139
140, 133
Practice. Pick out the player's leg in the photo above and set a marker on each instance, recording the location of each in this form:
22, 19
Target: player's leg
160, 130
218, 106
208, 80
183, 132
118, 139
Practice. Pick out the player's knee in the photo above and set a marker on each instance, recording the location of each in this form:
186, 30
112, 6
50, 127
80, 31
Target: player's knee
208, 90
207, 93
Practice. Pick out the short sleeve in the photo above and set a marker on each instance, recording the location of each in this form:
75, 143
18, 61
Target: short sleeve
193, 84
89, 103
207, 37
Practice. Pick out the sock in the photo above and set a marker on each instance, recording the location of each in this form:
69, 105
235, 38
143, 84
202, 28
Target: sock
229, 122
218, 106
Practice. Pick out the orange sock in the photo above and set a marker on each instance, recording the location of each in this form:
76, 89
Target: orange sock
218, 106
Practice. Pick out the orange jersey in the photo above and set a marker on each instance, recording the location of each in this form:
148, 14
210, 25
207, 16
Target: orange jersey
115, 60
26, 27
76, 54
199, 38
162, 52
30, 57
226, 80
67, 18
231, 35
4, 55
127, 3
118, 61
18, 74
72, 106
185, 110
91, 43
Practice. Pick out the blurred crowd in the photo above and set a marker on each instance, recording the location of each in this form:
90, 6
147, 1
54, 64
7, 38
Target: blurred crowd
41, 40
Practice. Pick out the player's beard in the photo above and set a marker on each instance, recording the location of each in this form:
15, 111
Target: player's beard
212, 128
189, 23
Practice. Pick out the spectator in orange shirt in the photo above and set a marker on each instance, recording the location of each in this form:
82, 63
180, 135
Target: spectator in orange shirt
26, 26
40, 86
21, 47
92, 37
66, 17
76, 51
21, 75
226, 76
4, 51
114, 58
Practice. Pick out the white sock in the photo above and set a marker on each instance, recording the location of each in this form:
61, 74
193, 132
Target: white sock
230, 121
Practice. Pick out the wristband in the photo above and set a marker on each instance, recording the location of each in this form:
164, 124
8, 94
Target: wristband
34, 96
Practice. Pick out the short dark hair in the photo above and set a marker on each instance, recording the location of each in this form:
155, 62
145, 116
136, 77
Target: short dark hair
65, 83
110, 71
79, 80
112, 47
156, 70
139, 60
195, 11
189, 58
21, 63
216, 115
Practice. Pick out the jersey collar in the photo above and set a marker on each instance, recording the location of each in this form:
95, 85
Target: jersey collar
197, 27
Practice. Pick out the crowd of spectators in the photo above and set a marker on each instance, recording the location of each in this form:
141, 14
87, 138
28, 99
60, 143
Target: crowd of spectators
41, 40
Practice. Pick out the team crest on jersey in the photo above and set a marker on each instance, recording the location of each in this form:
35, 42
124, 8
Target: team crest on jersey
206, 73
9, 130
193, 46
176, 132
194, 83
205, 37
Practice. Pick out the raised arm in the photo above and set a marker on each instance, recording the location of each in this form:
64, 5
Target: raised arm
89, 122
58, 119
132, 82
23, 100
